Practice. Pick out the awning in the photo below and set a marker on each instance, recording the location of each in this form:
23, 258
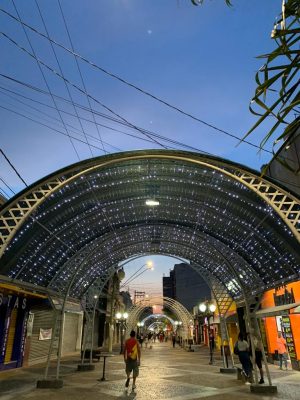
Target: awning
277, 310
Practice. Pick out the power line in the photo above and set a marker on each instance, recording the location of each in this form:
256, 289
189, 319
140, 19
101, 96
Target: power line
68, 113
112, 75
60, 69
43, 75
118, 121
102, 125
55, 119
33, 55
79, 70
76, 86
12, 166
7, 186
49, 127
88, 120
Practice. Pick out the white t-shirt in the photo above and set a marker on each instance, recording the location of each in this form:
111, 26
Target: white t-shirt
243, 345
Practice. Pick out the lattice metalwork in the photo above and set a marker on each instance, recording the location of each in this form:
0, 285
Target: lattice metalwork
174, 306
149, 318
75, 225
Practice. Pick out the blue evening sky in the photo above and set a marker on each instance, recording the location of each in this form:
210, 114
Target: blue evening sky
200, 59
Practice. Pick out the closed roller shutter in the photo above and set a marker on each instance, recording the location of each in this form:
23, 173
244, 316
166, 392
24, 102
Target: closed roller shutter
70, 333
43, 319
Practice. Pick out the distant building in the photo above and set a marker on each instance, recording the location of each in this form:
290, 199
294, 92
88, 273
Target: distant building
285, 177
126, 300
2, 200
169, 285
188, 287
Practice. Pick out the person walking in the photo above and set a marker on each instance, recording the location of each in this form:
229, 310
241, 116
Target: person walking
242, 350
173, 339
132, 358
258, 357
211, 346
282, 350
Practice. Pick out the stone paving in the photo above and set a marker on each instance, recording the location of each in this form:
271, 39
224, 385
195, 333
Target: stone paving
165, 374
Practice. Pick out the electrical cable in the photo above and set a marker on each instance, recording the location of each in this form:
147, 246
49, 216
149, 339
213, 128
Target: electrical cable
161, 137
7, 186
43, 75
181, 111
32, 55
79, 70
49, 127
12, 166
39, 62
88, 120
55, 119
131, 276
61, 72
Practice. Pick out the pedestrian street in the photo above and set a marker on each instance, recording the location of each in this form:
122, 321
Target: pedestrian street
165, 374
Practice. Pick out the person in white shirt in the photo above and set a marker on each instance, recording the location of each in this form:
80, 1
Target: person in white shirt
244, 357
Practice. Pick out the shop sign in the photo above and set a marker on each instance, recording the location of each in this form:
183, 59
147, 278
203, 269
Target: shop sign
11, 301
286, 324
283, 298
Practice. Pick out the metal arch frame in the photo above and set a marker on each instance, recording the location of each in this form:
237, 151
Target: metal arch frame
179, 310
16, 212
158, 316
45, 243
154, 324
223, 301
83, 257
104, 270
219, 292
151, 252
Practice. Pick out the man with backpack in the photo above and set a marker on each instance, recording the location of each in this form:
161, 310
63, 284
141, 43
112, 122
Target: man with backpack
132, 358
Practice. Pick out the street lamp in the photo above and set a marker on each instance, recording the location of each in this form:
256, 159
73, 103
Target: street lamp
122, 318
136, 274
207, 309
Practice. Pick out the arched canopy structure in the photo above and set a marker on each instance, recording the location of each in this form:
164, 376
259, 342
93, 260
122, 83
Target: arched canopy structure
157, 317
176, 308
72, 227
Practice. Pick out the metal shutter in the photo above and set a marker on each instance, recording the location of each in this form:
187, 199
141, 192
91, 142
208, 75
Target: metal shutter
70, 333
43, 318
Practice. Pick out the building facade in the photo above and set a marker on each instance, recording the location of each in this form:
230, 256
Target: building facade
186, 286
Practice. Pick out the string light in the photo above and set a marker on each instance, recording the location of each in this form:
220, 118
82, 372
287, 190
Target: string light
202, 215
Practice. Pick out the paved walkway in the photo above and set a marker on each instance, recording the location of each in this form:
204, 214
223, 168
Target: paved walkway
165, 374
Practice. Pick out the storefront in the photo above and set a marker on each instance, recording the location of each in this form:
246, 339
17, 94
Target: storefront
14, 311
280, 312
41, 330
26, 327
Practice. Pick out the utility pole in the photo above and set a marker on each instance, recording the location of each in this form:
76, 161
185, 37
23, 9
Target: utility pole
138, 296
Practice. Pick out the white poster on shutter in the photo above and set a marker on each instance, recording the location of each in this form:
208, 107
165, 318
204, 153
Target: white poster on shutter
45, 334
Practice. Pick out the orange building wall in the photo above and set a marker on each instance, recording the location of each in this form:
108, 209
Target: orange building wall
270, 322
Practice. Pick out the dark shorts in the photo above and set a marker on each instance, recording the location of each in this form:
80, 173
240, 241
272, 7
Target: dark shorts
132, 365
258, 358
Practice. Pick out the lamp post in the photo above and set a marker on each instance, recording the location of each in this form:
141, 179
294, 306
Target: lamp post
207, 309
122, 318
